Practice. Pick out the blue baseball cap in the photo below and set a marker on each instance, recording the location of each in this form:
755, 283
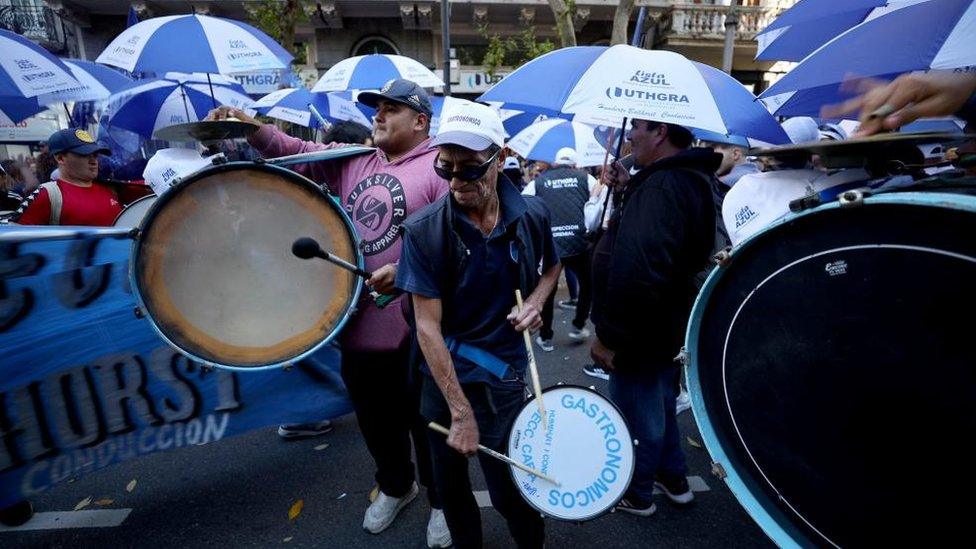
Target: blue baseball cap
77, 141
401, 91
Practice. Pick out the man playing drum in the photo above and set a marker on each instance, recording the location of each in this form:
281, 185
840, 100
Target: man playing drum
463, 258
378, 191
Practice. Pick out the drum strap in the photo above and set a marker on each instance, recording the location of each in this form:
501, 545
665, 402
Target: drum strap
54, 197
496, 366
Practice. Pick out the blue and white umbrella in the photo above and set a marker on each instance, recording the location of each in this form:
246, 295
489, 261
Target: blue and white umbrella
542, 140
194, 43
28, 70
937, 34
94, 83
809, 24
610, 83
97, 82
371, 72
15, 111
292, 105
149, 105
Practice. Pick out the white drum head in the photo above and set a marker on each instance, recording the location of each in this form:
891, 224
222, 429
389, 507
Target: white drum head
214, 270
134, 213
586, 447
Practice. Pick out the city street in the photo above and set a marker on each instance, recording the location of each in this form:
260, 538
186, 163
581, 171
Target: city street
238, 493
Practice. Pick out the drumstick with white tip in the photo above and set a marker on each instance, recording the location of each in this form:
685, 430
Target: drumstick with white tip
497, 455
533, 369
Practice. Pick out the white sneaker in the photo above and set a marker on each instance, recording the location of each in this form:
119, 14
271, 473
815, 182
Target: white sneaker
438, 534
683, 401
380, 513
544, 344
579, 334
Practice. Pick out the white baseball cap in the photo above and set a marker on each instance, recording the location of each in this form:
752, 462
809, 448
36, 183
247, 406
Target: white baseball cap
759, 199
470, 125
801, 129
168, 166
566, 156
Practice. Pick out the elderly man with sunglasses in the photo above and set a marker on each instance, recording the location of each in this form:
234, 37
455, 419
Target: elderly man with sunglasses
463, 258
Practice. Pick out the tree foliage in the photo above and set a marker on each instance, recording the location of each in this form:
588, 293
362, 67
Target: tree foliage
513, 51
278, 18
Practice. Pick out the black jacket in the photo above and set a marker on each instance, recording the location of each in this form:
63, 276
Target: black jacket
644, 267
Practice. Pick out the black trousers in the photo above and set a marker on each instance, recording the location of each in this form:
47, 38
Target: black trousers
580, 265
386, 398
494, 410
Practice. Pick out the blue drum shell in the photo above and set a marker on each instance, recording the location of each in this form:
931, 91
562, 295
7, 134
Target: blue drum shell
832, 375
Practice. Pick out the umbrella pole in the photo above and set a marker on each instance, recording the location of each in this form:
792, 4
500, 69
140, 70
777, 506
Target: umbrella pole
185, 106
323, 123
67, 112
213, 98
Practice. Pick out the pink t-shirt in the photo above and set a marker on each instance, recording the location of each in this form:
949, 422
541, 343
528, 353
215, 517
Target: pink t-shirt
378, 196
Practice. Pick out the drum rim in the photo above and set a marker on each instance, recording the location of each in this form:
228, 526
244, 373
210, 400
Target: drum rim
291, 175
777, 525
133, 203
630, 440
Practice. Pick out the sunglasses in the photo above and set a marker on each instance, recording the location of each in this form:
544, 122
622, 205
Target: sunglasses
467, 173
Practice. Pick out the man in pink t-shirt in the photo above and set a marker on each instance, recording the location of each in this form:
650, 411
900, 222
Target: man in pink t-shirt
378, 192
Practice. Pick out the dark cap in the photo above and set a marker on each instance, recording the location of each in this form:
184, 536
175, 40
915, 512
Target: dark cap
77, 141
402, 91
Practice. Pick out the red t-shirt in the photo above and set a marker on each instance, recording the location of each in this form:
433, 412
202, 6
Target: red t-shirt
96, 206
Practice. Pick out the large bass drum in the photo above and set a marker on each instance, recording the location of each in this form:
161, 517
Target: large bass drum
832, 375
213, 269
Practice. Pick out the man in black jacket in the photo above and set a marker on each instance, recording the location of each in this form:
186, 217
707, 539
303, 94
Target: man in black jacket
659, 237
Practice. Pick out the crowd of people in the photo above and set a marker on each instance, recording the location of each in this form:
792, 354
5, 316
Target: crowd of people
473, 222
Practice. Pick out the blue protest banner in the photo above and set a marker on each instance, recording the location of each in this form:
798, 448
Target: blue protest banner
86, 383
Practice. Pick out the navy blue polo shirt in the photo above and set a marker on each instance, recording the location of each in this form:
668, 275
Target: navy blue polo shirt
485, 294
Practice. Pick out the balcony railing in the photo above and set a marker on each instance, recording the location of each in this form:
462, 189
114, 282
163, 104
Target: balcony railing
704, 22
40, 24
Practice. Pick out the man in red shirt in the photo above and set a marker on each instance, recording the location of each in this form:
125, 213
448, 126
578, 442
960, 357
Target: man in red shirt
75, 198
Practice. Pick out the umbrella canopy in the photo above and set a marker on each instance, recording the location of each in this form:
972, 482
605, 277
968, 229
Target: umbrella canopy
94, 83
149, 105
542, 140
937, 34
28, 70
292, 105
15, 111
809, 24
98, 82
194, 43
371, 72
623, 81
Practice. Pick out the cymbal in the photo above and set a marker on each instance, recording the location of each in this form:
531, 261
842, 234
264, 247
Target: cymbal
206, 130
862, 145
851, 153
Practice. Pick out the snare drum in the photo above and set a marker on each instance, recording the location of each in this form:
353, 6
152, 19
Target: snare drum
135, 212
832, 370
586, 447
213, 270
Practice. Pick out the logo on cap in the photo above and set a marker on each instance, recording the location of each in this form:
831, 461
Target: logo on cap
82, 135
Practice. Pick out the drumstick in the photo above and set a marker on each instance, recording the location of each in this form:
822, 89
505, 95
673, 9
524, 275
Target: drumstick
533, 370
497, 455
307, 248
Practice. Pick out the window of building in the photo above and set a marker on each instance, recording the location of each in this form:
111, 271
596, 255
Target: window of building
374, 44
